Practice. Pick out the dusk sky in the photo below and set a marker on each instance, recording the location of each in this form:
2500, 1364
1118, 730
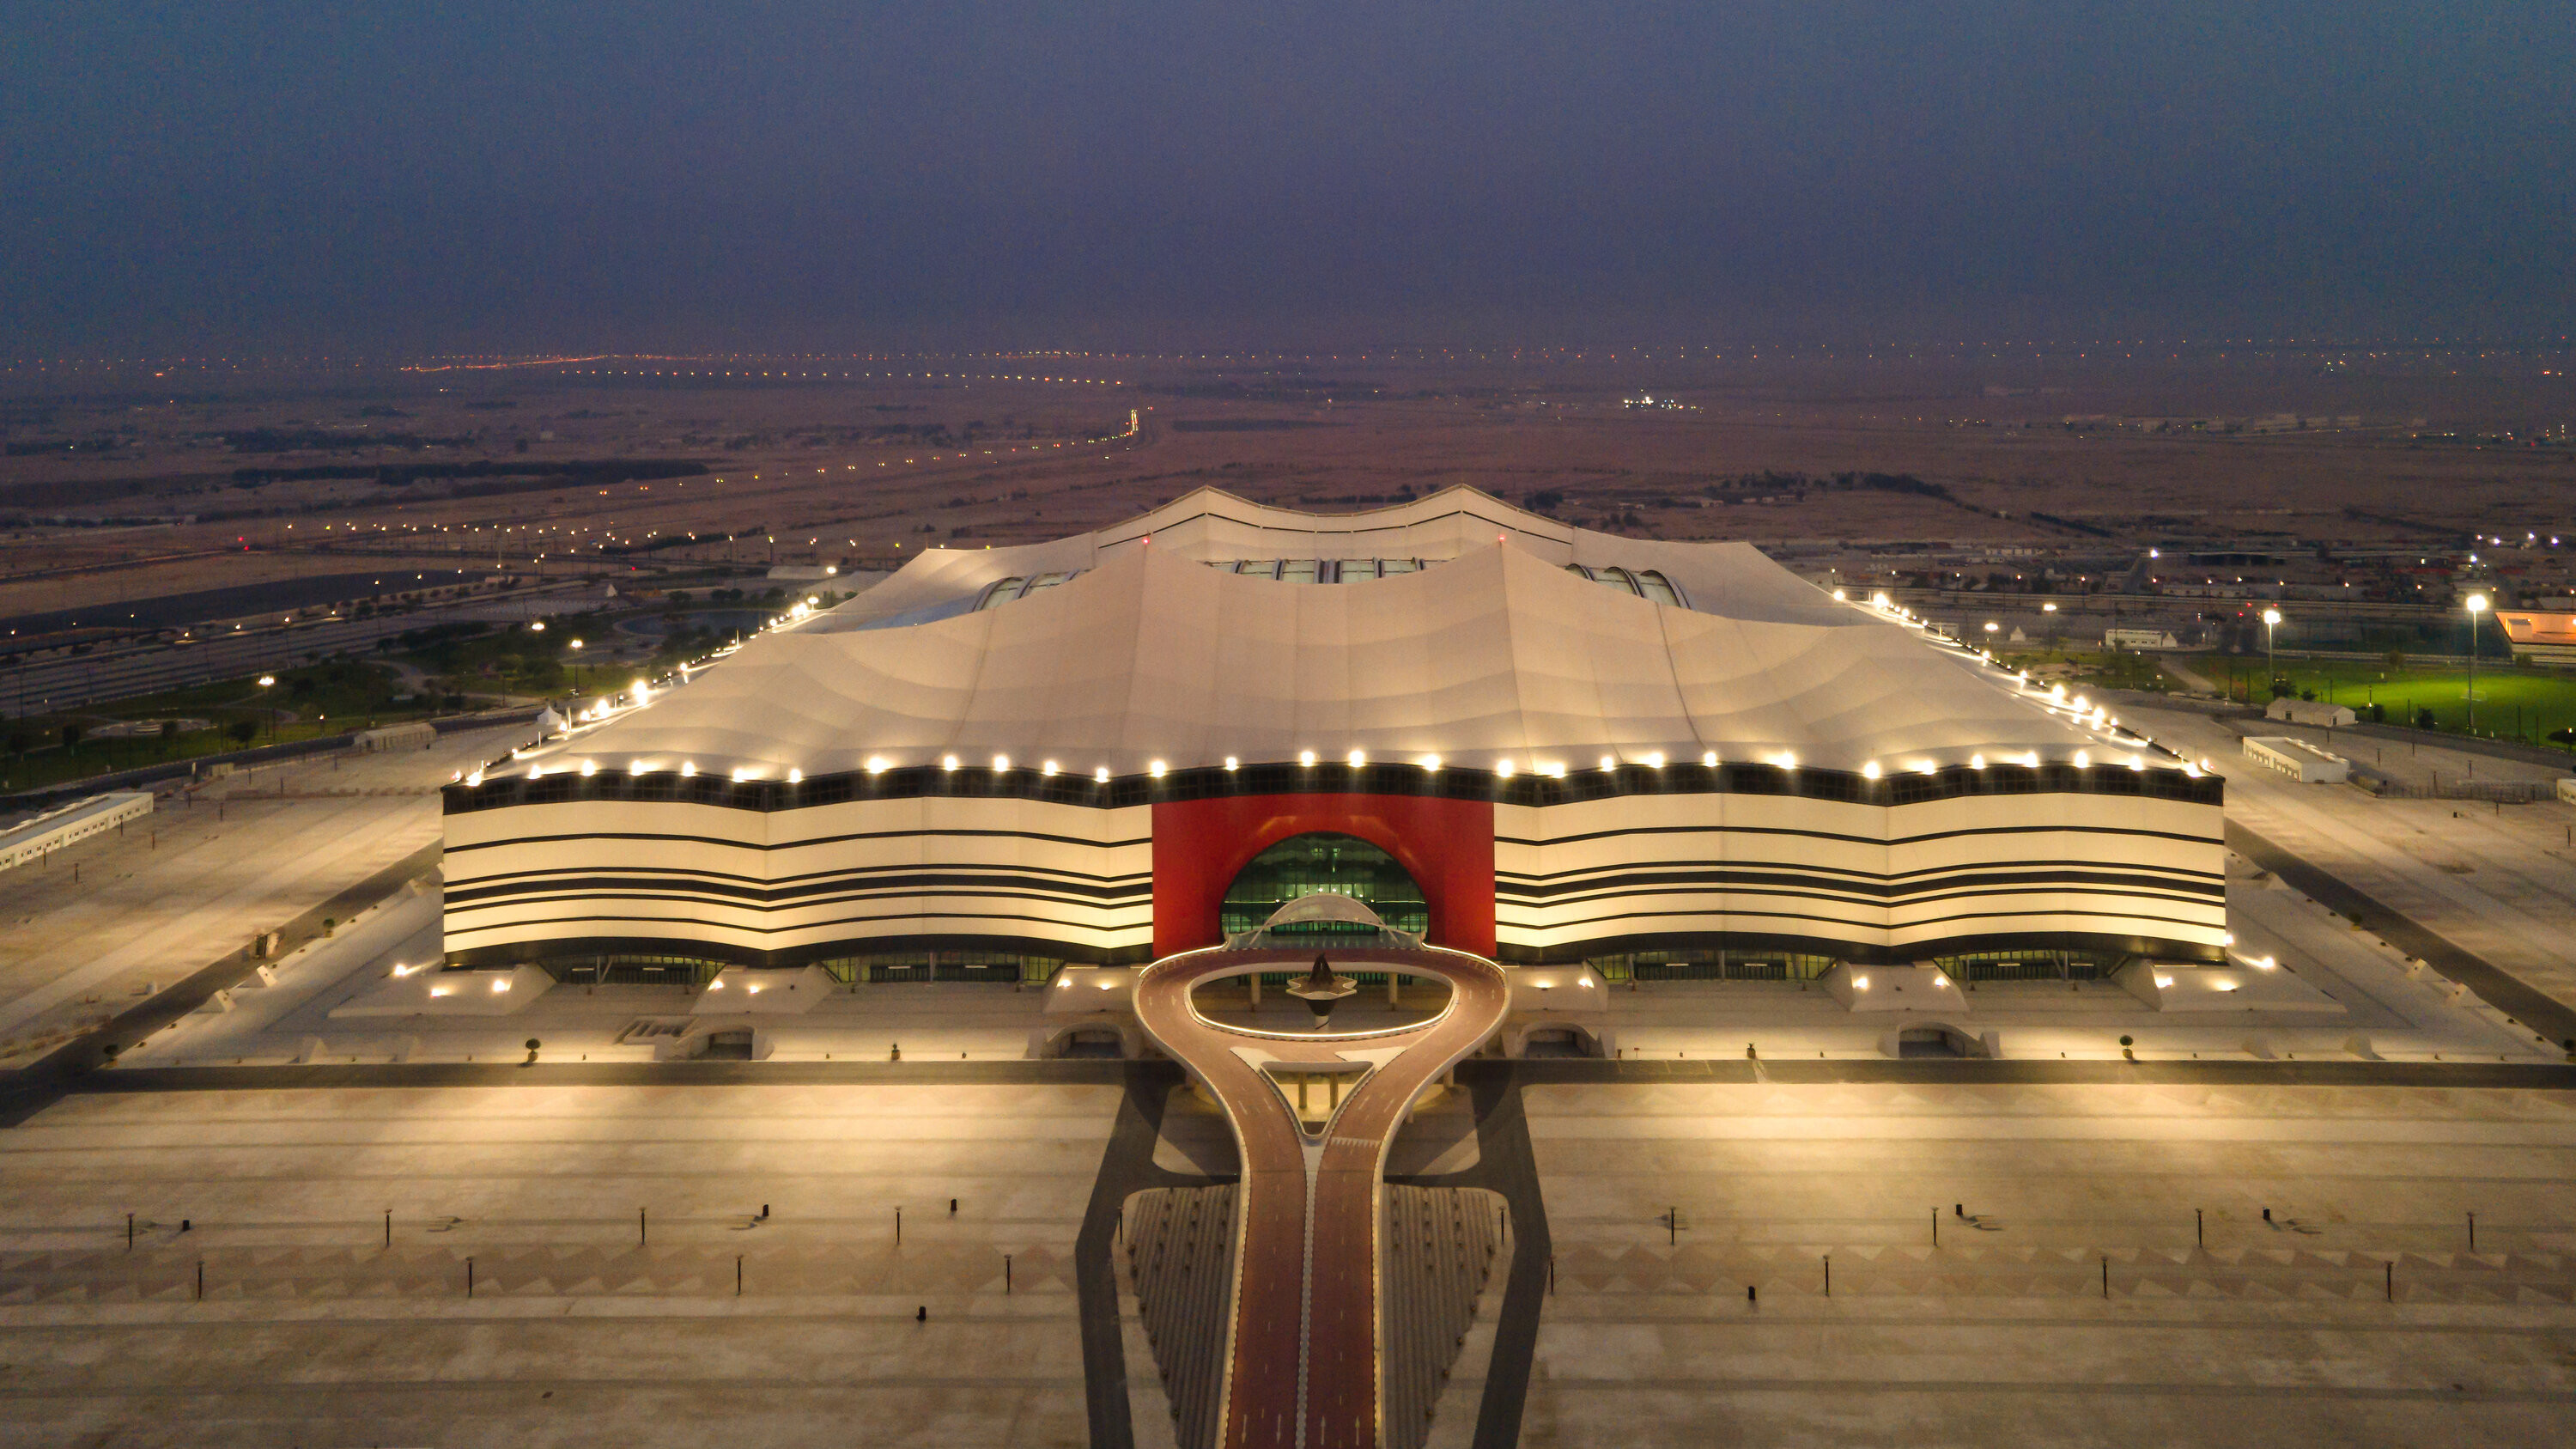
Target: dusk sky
485, 176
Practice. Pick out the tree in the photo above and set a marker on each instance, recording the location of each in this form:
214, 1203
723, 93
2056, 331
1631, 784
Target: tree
72, 734
242, 731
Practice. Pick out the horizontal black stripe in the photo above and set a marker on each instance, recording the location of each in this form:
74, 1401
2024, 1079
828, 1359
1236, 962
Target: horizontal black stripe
701, 898
1883, 908
1330, 777
629, 923
1873, 928
1868, 953
927, 833
889, 879
1872, 841
1761, 878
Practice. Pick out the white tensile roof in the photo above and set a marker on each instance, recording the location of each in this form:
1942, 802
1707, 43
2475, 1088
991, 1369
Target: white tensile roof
1495, 652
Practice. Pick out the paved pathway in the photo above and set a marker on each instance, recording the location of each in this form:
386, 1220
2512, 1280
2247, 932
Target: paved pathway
1303, 1365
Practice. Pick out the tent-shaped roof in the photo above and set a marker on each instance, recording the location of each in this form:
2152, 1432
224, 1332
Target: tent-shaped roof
1497, 654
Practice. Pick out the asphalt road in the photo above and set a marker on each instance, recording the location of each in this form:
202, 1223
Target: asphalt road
1303, 1352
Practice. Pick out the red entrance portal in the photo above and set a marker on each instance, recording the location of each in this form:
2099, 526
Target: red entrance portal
1446, 845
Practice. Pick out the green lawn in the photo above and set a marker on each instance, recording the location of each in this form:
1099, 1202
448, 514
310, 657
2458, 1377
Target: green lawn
2512, 703
330, 698
2112, 669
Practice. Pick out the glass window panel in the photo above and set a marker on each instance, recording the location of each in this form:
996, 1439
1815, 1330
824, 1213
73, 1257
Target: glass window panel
1389, 567
1324, 862
1297, 571
1659, 588
1352, 570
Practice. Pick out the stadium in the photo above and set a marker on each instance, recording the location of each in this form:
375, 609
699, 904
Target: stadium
1511, 737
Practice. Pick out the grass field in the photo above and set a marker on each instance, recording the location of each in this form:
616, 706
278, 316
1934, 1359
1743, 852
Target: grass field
322, 699
2512, 703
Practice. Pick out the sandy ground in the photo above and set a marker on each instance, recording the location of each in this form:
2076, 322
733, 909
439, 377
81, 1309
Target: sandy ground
803, 468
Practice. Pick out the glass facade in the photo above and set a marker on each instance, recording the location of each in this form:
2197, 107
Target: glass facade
1323, 862
1315, 570
1645, 584
989, 967
1017, 588
1713, 964
2038, 965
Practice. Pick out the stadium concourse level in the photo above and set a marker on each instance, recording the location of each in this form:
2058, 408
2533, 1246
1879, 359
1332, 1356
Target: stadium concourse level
1305, 1356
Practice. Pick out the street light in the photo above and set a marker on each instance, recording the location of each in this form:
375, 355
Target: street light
2271, 671
2477, 606
576, 668
266, 682
2051, 611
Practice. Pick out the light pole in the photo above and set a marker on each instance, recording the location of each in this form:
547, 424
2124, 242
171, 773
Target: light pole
576, 669
266, 683
1991, 627
2271, 670
2477, 606
2051, 611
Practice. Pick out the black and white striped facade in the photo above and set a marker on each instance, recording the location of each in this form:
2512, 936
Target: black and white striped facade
2106, 859
1578, 744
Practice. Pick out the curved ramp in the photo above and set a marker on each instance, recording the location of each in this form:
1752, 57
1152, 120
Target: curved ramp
1304, 1362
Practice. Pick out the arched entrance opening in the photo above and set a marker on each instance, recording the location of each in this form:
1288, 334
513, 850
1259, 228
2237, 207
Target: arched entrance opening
1324, 862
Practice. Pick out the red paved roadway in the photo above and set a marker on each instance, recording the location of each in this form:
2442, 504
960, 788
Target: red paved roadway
1302, 1364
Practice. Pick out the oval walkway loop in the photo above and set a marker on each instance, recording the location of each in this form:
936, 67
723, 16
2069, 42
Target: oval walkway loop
1303, 1365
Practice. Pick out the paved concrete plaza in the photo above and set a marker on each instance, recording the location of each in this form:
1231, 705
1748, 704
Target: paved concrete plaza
203, 876
2498, 881
313, 1331
2275, 1334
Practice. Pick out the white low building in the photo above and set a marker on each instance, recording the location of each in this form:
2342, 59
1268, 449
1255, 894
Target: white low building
2296, 758
2310, 712
31, 840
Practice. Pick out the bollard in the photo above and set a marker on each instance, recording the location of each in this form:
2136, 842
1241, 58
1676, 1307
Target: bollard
2106, 1277
1829, 1275
1006, 1275
898, 1227
201, 1280
737, 1275
2473, 1232
921, 1314
389, 1227
469, 1277
2392, 1282
639, 1227
1751, 1292
1936, 1227
129, 1233
952, 1207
